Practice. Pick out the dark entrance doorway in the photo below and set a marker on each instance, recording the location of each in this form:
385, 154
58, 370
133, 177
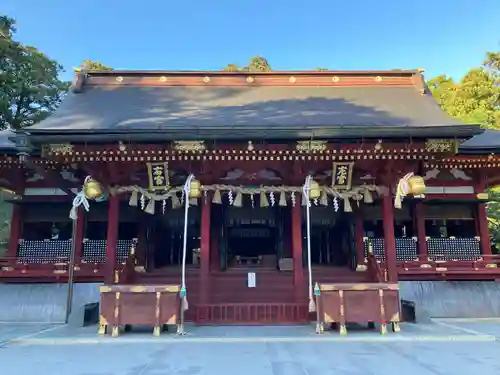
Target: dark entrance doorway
332, 237
251, 236
165, 238
250, 243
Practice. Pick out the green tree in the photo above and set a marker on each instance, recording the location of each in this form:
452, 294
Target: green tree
476, 97
256, 64
95, 65
493, 213
29, 85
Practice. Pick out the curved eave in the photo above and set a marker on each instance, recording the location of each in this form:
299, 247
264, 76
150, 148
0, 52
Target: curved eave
479, 150
486, 142
238, 133
7, 147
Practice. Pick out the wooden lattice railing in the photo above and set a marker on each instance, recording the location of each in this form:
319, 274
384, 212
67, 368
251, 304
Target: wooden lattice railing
252, 313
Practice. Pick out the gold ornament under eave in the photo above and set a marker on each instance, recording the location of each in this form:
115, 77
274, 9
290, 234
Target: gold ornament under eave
92, 189
314, 190
194, 189
410, 184
416, 185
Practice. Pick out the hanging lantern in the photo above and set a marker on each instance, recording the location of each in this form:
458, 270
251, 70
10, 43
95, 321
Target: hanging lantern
416, 185
92, 189
314, 190
194, 189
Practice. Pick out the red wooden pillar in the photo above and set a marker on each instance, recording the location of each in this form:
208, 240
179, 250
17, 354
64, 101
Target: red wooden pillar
298, 268
205, 250
15, 230
214, 245
481, 218
482, 224
16, 222
389, 237
359, 243
112, 237
142, 238
80, 233
419, 218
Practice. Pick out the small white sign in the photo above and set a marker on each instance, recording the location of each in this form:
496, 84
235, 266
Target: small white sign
252, 283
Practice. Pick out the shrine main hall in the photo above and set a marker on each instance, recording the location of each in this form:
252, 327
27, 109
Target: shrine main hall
296, 179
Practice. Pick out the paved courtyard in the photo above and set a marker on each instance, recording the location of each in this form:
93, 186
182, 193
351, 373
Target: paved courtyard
445, 347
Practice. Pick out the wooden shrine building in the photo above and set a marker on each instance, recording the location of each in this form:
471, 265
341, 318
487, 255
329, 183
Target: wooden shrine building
250, 139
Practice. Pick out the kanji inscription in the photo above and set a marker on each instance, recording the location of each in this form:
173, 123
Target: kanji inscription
342, 175
158, 176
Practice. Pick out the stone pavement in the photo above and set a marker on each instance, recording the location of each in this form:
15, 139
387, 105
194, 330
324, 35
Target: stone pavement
445, 347
9, 331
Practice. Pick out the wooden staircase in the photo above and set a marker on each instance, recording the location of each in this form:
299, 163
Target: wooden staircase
271, 301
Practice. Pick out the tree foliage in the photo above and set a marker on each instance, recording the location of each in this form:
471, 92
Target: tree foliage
95, 65
493, 213
256, 64
476, 97
29, 85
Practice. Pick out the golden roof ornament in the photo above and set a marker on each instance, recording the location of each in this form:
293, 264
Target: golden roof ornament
441, 146
314, 146
61, 148
189, 146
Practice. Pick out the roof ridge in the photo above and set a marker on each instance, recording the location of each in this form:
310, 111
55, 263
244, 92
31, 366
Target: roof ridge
236, 73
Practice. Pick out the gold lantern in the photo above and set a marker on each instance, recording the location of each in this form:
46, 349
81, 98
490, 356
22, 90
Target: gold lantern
314, 191
194, 189
416, 185
92, 189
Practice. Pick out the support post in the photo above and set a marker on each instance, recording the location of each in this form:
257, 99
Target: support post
215, 241
16, 222
298, 268
112, 237
482, 224
419, 218
142, 242
389, 236
79, 234
482, 218
205, 250
359, 232
15, 230
71, 270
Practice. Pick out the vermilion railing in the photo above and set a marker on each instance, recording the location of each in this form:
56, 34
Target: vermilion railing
15, 267
424, 264
252, 313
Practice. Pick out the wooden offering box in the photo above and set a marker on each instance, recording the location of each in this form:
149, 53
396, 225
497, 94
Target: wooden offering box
359, 303
126, 305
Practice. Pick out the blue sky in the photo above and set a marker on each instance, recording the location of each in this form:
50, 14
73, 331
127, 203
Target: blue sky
442, 36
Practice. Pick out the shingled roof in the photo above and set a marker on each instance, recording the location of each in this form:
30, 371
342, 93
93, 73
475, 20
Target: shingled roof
6, 144
276, 105
487, 142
